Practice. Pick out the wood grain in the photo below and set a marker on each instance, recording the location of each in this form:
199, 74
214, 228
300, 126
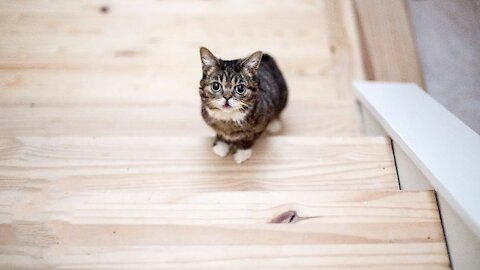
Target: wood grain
105, 162
388, 45
60, 234
162, 34
135, 71
188, 164
416, 256
193, 208
133, 87
344, 45
161, 120
365, 229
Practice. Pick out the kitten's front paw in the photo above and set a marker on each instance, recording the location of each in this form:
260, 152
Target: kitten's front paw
221, 149
242, 155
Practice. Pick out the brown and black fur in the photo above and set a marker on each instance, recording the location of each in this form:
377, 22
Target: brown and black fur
265, 101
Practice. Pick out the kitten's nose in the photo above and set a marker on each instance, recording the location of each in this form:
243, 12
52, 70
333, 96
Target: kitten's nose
227, 97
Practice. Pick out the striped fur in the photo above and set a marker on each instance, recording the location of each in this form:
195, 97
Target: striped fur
246, 116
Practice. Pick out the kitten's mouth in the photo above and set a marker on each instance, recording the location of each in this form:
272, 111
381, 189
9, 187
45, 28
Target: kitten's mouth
226, 106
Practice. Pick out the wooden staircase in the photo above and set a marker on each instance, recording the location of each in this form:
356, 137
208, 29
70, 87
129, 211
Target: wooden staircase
105, 162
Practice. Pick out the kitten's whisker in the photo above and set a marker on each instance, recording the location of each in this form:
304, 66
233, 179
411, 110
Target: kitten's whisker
245, 105
212, 103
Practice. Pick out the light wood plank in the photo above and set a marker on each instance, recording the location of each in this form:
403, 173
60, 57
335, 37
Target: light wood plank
157, 35
147, 103
344, 45
148, 55
388, 46
190, 208
61, 234
403, 229
153, 7
416, 256
167, 119
149, 163
73, 202
135, 87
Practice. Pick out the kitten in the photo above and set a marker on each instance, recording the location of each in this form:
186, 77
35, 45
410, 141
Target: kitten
241, 99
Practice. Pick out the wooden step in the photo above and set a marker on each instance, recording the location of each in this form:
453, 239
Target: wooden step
193, 208
162, 119
415, 256
142, 102
60, 87
225, 230
149, 103
70, 69
161, 35
97, 171
188, 164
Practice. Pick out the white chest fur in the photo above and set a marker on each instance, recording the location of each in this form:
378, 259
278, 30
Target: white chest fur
234, 115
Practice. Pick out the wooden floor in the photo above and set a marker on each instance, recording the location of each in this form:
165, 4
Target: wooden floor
135, 69
151, 230
105, 162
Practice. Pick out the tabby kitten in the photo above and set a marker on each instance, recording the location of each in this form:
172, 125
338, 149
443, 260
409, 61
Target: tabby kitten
240, 100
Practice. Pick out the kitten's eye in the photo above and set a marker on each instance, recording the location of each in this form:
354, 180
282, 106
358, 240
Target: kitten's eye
216, 87
240, 89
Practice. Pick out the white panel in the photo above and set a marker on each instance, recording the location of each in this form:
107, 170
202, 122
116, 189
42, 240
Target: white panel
370, 125
409, 177
445, 150
463, 247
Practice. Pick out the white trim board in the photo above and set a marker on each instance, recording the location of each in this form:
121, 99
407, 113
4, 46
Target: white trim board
445, 150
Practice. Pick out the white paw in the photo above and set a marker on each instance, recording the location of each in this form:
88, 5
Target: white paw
221, 149
242, 155
274, 127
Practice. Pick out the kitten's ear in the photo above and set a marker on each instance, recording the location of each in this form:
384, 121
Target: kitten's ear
208, 59
252, 62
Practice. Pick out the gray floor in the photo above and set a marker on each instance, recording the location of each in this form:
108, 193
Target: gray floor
448, 41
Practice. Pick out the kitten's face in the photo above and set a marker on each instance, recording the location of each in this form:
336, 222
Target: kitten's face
228, 88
